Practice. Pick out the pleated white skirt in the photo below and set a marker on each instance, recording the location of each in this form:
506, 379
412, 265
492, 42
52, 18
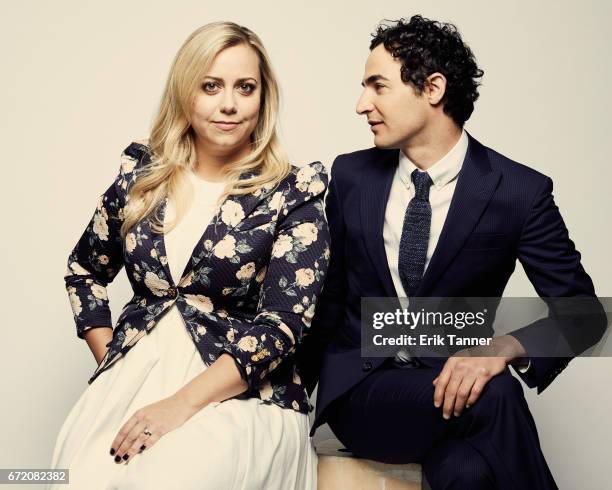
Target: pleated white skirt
236, 444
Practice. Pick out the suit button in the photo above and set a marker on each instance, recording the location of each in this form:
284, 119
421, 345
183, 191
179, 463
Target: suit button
367, 366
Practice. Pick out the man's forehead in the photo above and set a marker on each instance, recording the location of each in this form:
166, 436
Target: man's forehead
380, 62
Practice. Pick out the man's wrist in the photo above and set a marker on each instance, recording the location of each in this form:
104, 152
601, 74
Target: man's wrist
511, 350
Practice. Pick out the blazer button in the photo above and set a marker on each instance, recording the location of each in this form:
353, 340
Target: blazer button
367, 366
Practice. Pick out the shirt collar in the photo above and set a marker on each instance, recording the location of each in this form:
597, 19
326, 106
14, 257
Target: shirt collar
441, 172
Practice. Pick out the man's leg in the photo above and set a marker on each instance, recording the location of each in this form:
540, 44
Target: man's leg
455, 464
390, 417
502, 428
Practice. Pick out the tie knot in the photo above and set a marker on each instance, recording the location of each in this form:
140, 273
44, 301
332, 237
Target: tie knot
422, 182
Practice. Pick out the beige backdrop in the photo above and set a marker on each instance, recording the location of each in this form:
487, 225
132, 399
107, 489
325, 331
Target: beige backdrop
81, 80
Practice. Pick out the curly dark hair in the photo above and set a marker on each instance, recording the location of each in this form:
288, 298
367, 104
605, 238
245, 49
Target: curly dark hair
424, 47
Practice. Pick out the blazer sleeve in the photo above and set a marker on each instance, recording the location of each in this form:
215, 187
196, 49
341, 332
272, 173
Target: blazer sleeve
331, 305
98, 255
553, 266
293, 280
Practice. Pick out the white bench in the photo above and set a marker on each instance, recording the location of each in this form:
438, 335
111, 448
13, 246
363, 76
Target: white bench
339, 469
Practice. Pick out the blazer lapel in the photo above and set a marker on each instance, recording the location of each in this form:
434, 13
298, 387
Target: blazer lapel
375, 187
476, 184
229, 215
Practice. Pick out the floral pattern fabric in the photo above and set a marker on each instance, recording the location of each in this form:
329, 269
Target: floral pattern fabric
249, 289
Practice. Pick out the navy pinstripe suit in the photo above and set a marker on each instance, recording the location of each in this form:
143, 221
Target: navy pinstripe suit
387, 414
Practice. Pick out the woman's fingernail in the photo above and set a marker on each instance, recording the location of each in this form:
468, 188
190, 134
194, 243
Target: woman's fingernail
117, 458
112, 451
126, 456
142, 448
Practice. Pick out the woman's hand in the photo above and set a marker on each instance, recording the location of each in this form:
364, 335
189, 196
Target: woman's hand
158, 418
220, 381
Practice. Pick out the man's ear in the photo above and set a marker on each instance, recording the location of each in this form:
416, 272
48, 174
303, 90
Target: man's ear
435, 88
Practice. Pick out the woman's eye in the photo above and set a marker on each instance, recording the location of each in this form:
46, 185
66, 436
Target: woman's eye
209, 86
247, 88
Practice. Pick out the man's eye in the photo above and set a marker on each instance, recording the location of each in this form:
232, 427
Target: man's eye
378, 86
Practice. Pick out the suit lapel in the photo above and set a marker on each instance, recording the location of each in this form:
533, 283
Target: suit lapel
375, 187
476, 184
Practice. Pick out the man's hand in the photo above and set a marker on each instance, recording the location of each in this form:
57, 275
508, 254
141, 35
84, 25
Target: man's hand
466, 373
462, 380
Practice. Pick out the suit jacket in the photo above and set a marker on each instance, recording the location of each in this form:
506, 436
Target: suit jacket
249, 289
501, 211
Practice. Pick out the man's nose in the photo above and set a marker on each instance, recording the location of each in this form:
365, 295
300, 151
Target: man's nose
364, 105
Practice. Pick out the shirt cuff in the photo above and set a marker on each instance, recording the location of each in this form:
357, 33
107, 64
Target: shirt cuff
525, 368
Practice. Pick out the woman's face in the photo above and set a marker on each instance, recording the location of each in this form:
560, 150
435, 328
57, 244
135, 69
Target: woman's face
226, 107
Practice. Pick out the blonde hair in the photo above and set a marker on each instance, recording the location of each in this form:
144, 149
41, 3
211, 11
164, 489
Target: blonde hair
172, 145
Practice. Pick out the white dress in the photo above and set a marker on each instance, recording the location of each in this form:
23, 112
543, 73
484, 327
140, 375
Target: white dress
236, 444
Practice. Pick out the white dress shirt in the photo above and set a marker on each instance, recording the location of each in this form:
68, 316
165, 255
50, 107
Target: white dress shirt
443, 174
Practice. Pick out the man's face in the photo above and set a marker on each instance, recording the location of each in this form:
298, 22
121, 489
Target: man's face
394, 110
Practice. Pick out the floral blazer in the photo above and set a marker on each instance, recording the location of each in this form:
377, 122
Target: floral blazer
249, 289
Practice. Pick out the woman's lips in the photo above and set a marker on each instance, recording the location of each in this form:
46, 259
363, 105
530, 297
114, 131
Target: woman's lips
225, 125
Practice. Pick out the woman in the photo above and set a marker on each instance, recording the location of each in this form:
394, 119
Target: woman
226, 246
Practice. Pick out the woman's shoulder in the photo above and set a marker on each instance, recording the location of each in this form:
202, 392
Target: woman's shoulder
310, 179
135, 153
133, 159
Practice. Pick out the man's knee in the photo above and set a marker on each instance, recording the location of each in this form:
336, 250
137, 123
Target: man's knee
503, 388
463, 479
455, 464
501, 399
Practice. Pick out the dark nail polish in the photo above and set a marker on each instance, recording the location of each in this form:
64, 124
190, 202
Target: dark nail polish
112, 451
142, 448
117, 458
126, 456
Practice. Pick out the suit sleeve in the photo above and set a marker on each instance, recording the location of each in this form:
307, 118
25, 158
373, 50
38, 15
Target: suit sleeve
331, 305
553, 266
293, 281
98, 255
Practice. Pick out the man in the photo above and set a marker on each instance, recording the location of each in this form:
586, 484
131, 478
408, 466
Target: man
432, 212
